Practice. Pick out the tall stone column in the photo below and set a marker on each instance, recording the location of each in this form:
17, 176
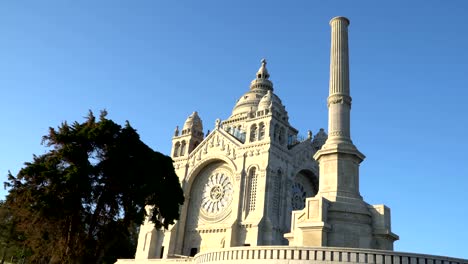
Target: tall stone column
339, 100
338, 216
339, 159
348, 216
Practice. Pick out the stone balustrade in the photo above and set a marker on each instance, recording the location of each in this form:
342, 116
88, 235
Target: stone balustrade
159, 261
320, 255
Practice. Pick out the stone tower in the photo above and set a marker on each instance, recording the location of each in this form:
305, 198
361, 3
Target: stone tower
189, 138
338, 216
242, 181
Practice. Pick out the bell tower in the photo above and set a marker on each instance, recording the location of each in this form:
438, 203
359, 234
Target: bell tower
189, 138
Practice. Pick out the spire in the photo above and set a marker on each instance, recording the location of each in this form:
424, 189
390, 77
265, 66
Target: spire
262, 73
261, 80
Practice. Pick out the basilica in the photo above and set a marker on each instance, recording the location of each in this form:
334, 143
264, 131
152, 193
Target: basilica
242, 180
255, 191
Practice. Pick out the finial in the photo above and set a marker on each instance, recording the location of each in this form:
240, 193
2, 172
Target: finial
263, 72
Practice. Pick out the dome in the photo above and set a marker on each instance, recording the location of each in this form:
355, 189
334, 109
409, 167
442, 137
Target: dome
248, 102
258, 89
270, 99
193, 122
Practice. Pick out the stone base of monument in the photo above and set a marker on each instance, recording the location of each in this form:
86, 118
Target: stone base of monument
304, 255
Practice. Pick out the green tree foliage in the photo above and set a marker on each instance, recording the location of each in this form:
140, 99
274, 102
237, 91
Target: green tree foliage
81, 201
10, 240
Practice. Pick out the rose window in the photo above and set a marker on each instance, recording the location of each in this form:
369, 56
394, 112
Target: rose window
298, 196
217, 194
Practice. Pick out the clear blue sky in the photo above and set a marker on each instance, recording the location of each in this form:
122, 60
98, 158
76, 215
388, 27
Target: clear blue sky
154, 62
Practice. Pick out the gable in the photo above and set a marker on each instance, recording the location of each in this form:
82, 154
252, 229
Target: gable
217, 143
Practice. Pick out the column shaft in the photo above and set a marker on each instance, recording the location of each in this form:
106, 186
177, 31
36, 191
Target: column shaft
339, 100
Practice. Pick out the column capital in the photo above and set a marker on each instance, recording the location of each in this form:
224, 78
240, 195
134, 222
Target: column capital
340, 18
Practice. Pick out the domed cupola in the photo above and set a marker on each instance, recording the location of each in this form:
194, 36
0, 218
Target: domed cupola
258, 88
271, 100
262, 82
189, 138
192, 124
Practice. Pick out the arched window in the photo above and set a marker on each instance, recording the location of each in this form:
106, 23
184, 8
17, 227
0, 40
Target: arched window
253, 133
277, 193
291, 140
252, 196
276, 132
261, 131
281, 137
176, 149
182, 148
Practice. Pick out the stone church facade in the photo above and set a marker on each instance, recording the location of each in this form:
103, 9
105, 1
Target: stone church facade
255, 192
241, 181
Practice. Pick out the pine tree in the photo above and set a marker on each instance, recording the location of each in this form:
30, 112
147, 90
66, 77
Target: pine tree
85, 196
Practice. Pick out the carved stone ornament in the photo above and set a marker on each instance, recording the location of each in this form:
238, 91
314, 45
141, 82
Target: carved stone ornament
298, 196
336, 134
217, 194
339, 99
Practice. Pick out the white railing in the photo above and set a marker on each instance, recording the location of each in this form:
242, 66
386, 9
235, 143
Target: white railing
322, 255
160, 261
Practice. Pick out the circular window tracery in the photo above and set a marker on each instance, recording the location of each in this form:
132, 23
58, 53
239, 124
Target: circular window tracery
298, 196
217, 194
